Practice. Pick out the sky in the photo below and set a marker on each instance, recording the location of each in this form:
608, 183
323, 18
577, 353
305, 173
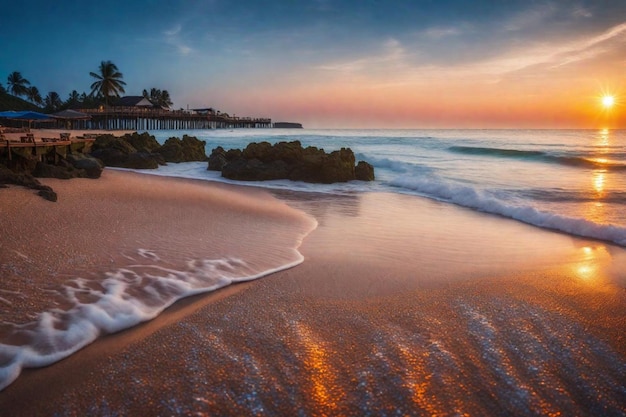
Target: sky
339, 64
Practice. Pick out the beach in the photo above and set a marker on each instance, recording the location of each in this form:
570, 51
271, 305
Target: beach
368, 303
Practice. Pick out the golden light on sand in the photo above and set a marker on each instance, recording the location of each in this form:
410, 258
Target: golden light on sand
608, 101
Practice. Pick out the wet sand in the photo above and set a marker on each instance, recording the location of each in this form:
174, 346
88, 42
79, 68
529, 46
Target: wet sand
402, 305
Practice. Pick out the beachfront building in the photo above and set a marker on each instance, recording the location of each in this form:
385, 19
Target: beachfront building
139, 113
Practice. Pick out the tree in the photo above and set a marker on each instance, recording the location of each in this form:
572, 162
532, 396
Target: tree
73, 99
17, 84
2, 89
33, 95
108, 81
158, 97
53, 101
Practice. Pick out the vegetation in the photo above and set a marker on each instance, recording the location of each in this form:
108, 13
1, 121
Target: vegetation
108, 81
18, 85
158, 97
34, 96
10, 102
53, 102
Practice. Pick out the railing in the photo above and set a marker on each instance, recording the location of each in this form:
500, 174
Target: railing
158, 113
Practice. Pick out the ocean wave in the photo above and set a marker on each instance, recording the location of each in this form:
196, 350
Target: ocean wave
592, 162
498, 152
566, 196
481, 200
125, 298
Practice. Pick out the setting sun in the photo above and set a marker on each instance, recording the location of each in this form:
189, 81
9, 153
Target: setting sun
608, 101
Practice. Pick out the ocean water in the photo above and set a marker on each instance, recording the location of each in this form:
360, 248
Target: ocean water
572, 181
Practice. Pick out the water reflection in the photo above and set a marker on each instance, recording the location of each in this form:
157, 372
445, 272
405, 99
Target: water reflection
592, 264
596, 210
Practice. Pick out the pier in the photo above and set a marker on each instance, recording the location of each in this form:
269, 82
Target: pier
42, 148
135, 118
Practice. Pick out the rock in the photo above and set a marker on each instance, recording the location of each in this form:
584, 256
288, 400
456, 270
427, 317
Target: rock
186, 150
43, 170
114, 157
263, 151
364, 171
338, 167
143, 142
285, 160
48, 194
141, 160
255, 170
91, 167
111, 157
111, 142
217, 159
120, 152
24, 179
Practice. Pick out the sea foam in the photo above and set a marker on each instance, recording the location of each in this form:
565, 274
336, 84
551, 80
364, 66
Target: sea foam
482, 200
124, 298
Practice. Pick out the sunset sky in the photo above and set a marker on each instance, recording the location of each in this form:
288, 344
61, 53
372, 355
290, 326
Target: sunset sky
327, 63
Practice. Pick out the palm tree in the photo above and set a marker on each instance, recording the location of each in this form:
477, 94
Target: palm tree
108, 81
17, 84
158, 97
33, 95
73, 99
165, 100
53, 101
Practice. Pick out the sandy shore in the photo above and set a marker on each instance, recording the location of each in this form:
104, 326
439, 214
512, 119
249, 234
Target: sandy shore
402, 305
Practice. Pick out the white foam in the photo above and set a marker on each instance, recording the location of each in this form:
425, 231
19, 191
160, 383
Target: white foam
466, 196
126, 297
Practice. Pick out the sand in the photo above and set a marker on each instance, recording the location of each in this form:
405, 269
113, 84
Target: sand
401, 306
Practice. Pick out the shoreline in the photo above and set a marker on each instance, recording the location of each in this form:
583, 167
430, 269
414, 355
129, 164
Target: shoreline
382, 273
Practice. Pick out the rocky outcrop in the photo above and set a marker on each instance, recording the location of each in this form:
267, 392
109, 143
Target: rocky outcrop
142, 151
90, 167
288, 160
186, 149
364, 171
120, 152
25, 179
73, 166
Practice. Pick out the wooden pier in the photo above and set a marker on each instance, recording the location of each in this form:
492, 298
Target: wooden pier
154, 119
43, 149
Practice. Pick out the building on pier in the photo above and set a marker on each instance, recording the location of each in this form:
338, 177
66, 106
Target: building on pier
138, 113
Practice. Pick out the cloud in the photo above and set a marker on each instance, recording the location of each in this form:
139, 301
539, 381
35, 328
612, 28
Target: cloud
393, 54
441, 32
173, 37
557, 55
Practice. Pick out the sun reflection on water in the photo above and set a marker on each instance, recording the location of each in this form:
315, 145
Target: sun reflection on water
592, 263
596, 210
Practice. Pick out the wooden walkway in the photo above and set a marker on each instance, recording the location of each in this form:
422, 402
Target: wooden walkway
27, 146
150, 119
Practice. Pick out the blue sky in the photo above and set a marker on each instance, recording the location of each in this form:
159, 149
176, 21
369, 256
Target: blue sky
335, 63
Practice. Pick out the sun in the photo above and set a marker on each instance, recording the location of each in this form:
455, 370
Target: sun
608, 101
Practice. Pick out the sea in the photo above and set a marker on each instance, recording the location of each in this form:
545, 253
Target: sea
571, 181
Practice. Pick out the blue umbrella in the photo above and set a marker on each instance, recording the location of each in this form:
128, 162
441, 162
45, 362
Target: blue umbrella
24, 115
30, 116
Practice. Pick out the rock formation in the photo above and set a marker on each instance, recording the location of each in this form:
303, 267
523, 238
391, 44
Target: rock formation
142, 151
288, 160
